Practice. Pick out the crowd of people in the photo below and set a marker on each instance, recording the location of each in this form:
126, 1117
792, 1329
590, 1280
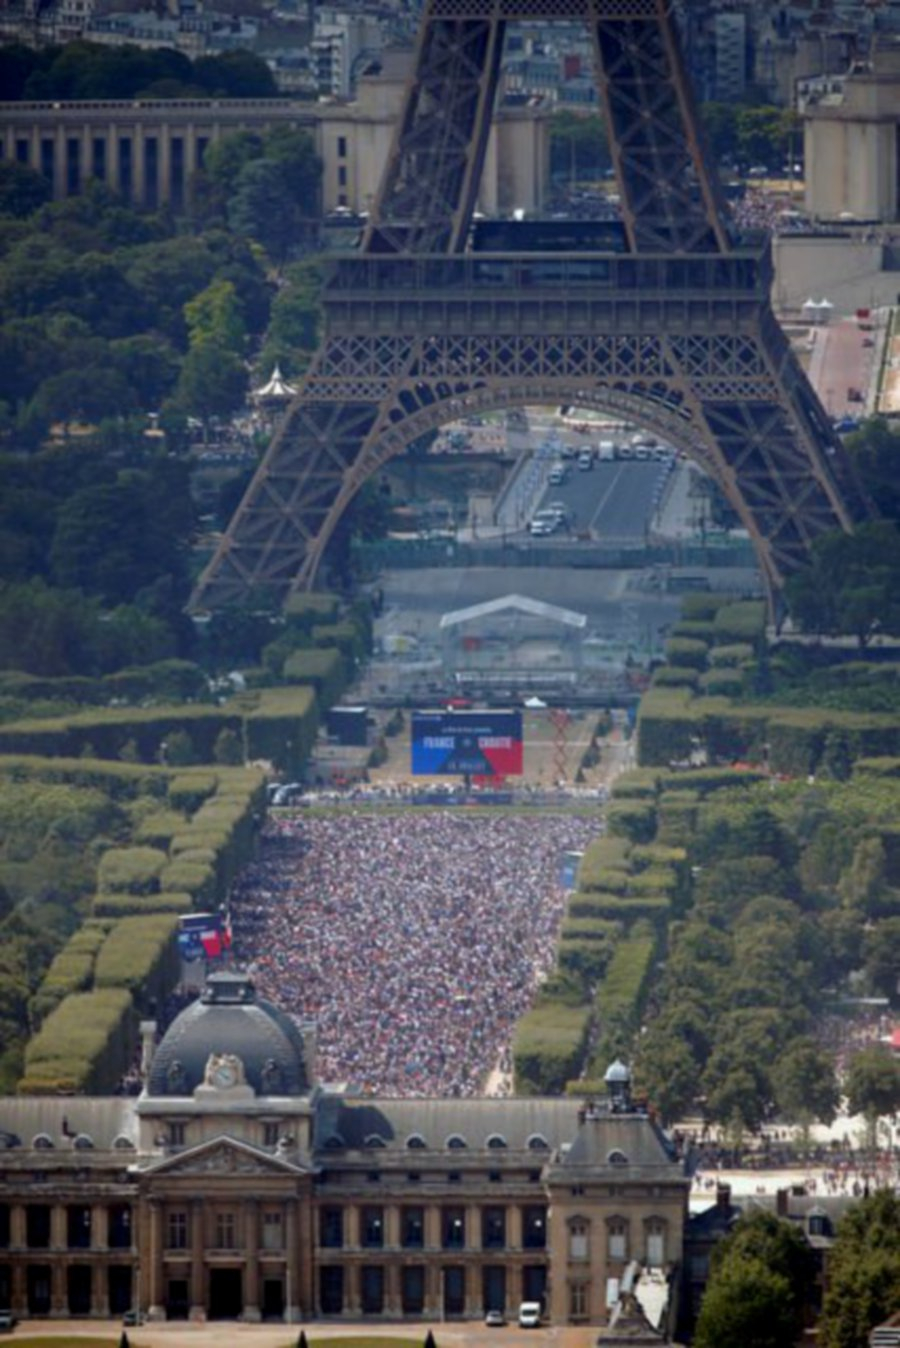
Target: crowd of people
414, 940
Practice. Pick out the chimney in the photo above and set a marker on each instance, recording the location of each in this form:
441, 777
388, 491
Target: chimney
148, 1046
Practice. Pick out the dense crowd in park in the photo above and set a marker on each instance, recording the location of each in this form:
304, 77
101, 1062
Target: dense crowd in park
414, 940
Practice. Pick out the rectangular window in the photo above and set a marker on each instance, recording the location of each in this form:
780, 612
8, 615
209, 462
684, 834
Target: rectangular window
225, 1231
176, 1231
22, 151
331, 1228
73, 165
578, 1241
37, 1226
453, 1226
534, 1228
126, 166
412, 1289
78, 1227
271, 1134
577, 1300
331, 1289
342, 176
342, 147
4, 1229
372, 1228
493, 1228
272, 1238
412, 1230
656, 1249
176, 1134
98, 158
48, 157
151, 172
618, 1243
372, 1290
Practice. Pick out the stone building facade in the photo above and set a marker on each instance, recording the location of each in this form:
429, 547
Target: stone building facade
235, 1186
149, 150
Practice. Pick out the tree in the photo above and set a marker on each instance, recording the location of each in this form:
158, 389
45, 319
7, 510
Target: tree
227, 749
748, 1304
212, 382
22, 191
873, 1086
756, 1293
862, 884
178, 749
667, 1071
805, 1084
214, 315
881, 949
863, 1273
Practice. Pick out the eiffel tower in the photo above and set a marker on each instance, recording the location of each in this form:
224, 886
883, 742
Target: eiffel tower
662, 318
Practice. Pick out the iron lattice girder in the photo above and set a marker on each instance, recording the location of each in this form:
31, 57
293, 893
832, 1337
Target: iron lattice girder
677, 332
371, 391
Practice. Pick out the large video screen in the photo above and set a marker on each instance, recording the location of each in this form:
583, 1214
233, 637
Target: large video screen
479, 743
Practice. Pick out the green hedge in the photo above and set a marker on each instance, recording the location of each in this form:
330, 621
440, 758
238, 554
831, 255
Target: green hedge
634, 820
159, 828
877, 767
686, 651
305, 611
601, 856
281, 728
638, 784
194, 878
676, 817
621, 996
121, 781
585, 960
141, 954
676, 676
743, 621
325, 670
723, 682
667, 723
346, 636
133, 905
655, 908
106, 733
738, 654
577, 927
84, 1047
549, 1048
694, 629
188, 790
71, 971
131, 870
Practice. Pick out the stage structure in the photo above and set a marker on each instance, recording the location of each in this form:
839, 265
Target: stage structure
662, 317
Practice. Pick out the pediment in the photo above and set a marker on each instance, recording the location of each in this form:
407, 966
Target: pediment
224, 1156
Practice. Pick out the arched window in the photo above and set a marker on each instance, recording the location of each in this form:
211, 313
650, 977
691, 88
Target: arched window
42, 1142
122, 1143
416, 1142
456, 1143
374, 1140
537, 1142
334, 1142
495, 1142
83, 1142
617, 1158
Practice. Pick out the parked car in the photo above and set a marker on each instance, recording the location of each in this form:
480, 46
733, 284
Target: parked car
495, 1319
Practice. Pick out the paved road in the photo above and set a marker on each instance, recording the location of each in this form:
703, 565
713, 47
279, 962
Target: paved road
230, 1334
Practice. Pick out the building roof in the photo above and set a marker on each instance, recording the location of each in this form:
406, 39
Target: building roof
229, 1019
58, 1122
535, 608
621, 1143
519, 1123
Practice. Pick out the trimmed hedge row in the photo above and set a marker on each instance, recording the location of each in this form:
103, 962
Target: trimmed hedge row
621, 996
140, 954
324, 670
600, 857
638, 784
549, 1048
84, 1046
166, 679
131, 870
71, 971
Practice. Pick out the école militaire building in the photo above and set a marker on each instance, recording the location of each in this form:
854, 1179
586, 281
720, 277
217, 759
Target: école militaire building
236, 1186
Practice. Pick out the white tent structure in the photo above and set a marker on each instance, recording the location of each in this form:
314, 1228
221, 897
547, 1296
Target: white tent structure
276, 389
513, 642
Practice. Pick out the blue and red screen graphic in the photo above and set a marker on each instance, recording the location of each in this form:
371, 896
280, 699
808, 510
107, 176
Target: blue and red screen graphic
454, 743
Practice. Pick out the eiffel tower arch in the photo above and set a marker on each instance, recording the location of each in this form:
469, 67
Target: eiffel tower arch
663, 317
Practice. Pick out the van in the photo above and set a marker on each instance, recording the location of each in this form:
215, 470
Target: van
530, 1315
606, 450
585, 460
557, 475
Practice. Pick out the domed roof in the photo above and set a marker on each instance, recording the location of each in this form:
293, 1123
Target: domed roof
230, 1019
616, 1072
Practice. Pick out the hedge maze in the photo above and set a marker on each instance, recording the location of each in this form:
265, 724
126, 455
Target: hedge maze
115, 819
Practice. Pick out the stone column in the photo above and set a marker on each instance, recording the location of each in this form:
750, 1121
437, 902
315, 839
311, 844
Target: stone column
155, 1308
434, 1308
292, 1290
86, 167
473, 1227
251, 1243
99, 1226
392, 1290
112, 157
198, 1296
17, 1226
351, 1290
18, 1292
138, 176
59, 164
514, 1233
164, 169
